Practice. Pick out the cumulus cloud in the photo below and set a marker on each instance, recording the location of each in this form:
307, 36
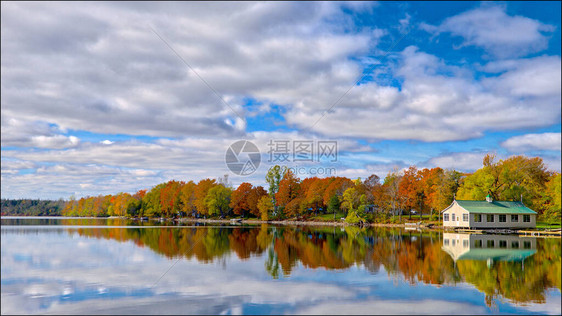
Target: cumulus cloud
472, 161
437, 102
39, 134
107, 72
527, 142
132, 165
493, 29
100, 69
461, 161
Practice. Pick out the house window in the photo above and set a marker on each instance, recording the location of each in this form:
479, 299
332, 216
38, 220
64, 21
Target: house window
465, 243
503, 218
465, 217
526, 218
527, 244
477, 218
503, 244
514, 218
453, 217
514, 244
452, 242
445, 217
490, 244
446, 242
478, 244
490, 218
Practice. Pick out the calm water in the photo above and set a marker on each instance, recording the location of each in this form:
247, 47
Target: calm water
120, 267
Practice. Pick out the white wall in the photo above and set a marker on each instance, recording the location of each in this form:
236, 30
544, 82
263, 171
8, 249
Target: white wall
457, 211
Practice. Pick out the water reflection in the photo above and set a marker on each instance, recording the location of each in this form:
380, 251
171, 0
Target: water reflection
489, 248
521, 270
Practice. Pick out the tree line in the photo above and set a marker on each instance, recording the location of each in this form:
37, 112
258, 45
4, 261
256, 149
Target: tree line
28, 207
401, 192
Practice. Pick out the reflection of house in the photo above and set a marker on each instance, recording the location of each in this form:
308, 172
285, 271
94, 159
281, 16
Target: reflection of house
488, 247
488, 214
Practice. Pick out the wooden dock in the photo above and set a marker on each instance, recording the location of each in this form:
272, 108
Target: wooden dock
471, 231
540, 233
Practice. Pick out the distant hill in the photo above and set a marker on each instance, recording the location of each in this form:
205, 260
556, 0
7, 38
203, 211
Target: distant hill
26, 207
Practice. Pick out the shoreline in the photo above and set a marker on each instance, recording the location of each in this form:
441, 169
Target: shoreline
296, 223
238, 221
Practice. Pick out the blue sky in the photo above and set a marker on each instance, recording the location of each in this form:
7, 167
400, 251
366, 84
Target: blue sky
94, 102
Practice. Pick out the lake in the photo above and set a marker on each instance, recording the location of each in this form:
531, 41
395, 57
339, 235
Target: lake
116, 266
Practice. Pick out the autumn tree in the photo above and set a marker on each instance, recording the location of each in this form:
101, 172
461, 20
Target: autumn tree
187, 198
337, 187
552, 198
447, 189
201, 191
314, 195
391, 187
289, 189
253, 199
409, 189
169, 198
265, 206
239, 200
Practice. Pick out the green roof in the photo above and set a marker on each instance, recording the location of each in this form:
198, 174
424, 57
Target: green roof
497, 254
495, 207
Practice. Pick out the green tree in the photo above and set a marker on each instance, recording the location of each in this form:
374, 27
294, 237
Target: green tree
510, 179
273, 178
151, 206
552, 199
351, 200
218, 199
334, 205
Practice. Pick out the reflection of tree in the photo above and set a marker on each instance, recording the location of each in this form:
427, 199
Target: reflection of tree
519, 281
415, 257
244, 242
272, 264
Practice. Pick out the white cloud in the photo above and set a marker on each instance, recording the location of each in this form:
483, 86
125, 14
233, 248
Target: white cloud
99, 68
528, 142
107, 72
132, 165
392, 307
493, 29
38, 134
472, 161
461, 161
436, 102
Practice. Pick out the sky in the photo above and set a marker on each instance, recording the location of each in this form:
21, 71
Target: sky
101, 98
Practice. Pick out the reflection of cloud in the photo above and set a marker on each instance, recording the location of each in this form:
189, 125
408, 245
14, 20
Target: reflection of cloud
393, 307
551, 307
83, 265
52, 272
